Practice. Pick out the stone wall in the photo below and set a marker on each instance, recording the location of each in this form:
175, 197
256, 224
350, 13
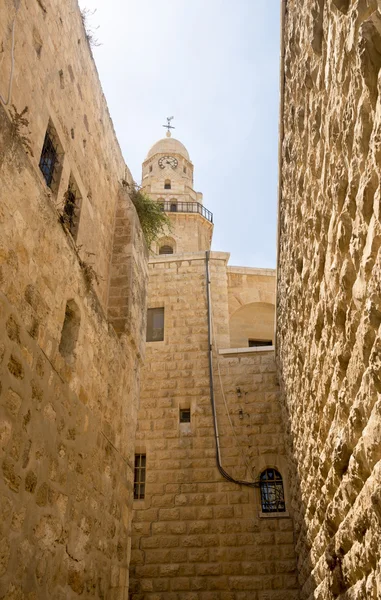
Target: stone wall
56, 79
188, 233
197, 536
251, 305
329, 310
70, 383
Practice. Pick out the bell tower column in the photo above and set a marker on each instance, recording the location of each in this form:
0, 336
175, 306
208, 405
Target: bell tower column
167, 178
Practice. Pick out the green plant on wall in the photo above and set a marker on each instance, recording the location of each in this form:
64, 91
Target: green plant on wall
153, 220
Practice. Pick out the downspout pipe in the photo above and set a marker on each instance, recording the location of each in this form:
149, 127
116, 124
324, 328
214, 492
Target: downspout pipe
211, 383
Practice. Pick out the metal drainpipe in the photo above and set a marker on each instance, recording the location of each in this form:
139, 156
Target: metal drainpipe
211, 384
210, 354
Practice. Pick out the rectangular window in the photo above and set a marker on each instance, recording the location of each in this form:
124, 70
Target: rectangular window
51, 158
72, 207
155, 325
185, 415
140, 476
258, 343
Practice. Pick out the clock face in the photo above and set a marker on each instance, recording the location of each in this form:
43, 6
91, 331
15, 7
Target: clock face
168, 160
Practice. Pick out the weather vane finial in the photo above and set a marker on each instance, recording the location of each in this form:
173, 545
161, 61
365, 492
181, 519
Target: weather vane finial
169, 126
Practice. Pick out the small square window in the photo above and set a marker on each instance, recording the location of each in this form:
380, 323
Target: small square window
155, 325
185, 415
140, 476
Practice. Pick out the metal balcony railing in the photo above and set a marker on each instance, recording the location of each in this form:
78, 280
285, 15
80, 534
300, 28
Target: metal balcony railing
187, 207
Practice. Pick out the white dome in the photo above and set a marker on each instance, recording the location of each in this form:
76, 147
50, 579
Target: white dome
168, 145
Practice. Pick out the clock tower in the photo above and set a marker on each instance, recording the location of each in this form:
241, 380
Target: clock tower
167, 178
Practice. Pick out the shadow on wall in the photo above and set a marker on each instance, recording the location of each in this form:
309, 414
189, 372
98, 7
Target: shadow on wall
252, 323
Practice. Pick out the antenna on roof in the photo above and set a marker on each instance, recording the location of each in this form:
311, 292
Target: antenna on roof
169, 126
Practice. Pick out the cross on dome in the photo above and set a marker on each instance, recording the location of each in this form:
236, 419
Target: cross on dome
169, 126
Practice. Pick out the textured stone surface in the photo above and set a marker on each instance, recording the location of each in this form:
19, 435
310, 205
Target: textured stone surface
251, 305
56, 79
197, 536
329, 310
68, 405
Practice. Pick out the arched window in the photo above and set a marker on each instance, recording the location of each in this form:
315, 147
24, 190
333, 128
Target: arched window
167, 184
272, 493
173, 206
166, 250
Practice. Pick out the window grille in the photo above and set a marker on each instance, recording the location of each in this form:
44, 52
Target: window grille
166, 250
155, 325
259, 343
49, 161
185, 415
140, 476
272, 493
167, 184
71, 209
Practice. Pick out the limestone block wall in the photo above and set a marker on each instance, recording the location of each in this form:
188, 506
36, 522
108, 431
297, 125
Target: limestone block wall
68, 405
197, 536
69, 380
188, 233
56, 79
251, 305
328, 302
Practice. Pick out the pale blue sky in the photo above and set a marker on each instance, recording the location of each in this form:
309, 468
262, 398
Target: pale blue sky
214, 65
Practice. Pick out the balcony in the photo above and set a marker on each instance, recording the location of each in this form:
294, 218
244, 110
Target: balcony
187, 207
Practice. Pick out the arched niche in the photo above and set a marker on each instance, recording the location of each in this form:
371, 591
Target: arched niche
253, 321
166, 245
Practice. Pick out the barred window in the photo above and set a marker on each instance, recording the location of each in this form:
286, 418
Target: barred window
140, 476
51, 158
272, 493
166, 249
72, 207
155, 325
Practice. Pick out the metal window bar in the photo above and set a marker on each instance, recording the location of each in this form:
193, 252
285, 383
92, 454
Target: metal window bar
272, 493
139, 476
166, 249
70, 209
50, 157
187, 207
